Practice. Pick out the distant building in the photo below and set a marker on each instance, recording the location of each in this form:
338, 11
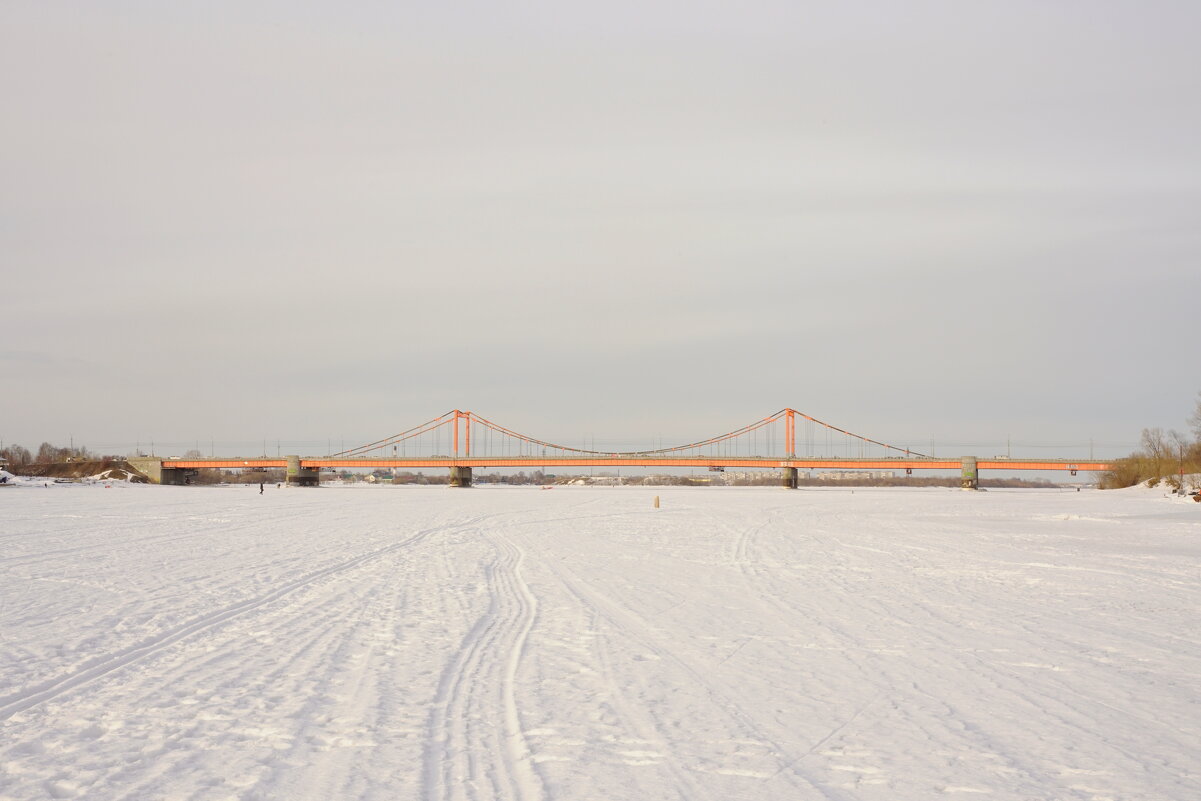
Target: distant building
853, 475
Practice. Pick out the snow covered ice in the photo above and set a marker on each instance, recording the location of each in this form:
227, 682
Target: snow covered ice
509, 643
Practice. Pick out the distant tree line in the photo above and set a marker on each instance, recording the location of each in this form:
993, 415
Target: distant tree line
20, 456
1168, 457
260, 475
926, 481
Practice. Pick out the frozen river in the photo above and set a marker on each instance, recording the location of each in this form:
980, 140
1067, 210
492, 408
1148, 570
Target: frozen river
514, 643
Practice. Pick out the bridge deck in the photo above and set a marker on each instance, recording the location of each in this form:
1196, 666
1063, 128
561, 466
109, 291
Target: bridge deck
644, 461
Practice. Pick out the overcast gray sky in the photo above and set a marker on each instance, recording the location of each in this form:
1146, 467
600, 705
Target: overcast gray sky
301, 221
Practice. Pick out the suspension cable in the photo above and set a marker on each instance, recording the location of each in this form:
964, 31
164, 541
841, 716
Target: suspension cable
435, 425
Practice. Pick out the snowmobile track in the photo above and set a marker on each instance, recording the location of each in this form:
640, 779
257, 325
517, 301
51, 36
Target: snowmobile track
95, 669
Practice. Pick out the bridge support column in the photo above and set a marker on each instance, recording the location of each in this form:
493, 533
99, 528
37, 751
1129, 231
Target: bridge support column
151, 467
302, 476
970, 476
177, 477
460, 476
156, 473
789, 479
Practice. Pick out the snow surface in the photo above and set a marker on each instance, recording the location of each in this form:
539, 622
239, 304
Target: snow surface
512, 643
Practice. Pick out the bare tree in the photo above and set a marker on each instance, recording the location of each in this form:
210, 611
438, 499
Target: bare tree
1194, 419
1162, 457
1157, 449
1178, 444
17, 455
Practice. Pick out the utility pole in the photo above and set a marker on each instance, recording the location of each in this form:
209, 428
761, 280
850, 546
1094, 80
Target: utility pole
1180, 455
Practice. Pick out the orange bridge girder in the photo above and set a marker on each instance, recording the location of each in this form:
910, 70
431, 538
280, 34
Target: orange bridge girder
898, 463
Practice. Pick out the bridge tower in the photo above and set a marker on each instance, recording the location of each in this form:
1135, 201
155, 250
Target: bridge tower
789, 479
460, 475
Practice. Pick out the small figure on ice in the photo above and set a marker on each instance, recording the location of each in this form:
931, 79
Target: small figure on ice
260, 488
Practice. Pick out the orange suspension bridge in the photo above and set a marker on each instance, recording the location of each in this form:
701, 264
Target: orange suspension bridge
461, 441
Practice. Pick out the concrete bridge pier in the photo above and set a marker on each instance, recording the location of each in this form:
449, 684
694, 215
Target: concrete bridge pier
789, 479
152, 467
178, 477
970, 476
460, 476
302, 476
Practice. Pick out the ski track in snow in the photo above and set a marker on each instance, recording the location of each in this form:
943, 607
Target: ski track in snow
107, 664
475, 745
509, 644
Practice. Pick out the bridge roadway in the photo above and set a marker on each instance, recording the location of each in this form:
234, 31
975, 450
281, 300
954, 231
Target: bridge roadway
305, 469
776, 462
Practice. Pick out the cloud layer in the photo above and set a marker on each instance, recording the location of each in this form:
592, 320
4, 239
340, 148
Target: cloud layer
306, 222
